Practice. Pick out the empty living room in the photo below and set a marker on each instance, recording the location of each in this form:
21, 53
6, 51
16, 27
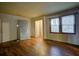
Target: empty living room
39, 28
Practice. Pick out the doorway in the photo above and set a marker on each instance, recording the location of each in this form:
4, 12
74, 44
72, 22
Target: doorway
21, 30
39, 29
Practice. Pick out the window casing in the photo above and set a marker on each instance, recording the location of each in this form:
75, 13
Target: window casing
63, 24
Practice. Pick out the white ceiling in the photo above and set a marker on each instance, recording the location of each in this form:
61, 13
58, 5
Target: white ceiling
35, 9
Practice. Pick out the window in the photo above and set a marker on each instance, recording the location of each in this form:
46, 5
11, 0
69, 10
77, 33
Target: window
68, 23
64, 24
55, 25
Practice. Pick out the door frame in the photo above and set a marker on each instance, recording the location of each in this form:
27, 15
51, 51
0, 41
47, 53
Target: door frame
42, 27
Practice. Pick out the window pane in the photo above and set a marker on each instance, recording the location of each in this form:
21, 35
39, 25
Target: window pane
55, 21
68, 23
68, 28
55, 25
54, 28
68, 19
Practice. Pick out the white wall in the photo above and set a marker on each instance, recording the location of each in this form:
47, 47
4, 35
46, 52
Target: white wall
9, 27
32, 27
69, 38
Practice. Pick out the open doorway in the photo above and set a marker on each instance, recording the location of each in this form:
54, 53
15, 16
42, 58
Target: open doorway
21, 30
39, 29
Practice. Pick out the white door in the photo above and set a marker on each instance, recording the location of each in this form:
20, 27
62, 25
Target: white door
0, 31
5, 30
39, 28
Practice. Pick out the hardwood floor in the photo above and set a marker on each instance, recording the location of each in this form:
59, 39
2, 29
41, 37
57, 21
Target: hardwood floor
37, 47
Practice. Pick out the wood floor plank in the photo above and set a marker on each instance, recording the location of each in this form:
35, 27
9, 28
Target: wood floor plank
37, 47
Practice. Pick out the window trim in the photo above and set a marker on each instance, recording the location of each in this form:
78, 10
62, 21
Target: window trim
60, 25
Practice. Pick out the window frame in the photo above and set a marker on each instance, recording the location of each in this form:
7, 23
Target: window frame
50, 25
60, 25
